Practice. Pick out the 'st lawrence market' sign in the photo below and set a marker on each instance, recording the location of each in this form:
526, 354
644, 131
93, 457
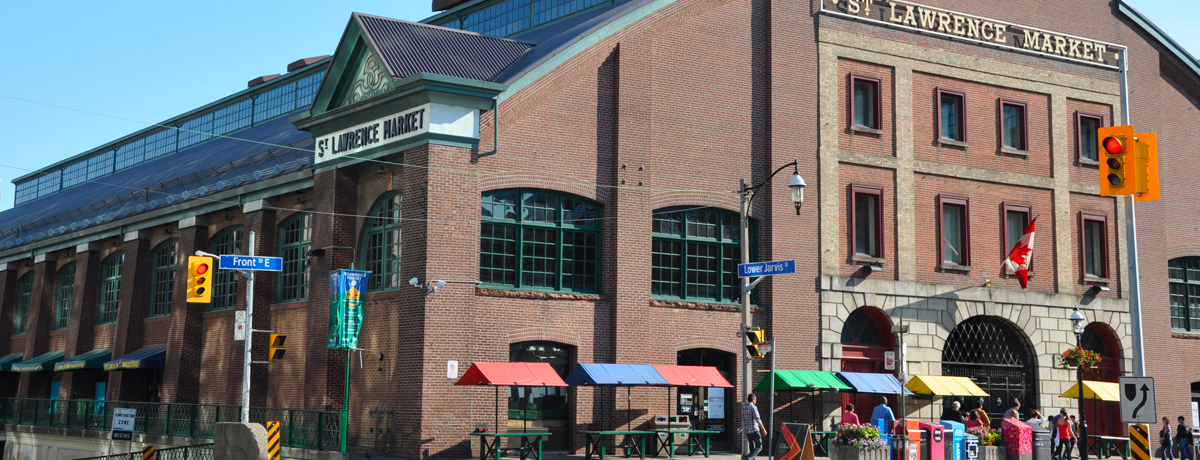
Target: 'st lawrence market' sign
974, 28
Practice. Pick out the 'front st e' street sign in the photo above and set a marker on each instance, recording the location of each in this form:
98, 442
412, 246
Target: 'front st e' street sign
270, 264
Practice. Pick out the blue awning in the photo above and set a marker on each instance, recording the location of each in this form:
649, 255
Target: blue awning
151, 357
615, 374
41, 363
7, 361
884, 384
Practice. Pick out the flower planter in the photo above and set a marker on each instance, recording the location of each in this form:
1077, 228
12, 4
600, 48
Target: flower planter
857, 453
991, 453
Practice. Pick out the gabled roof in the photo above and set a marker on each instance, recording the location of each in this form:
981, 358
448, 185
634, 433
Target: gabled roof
408, 48
1160, 36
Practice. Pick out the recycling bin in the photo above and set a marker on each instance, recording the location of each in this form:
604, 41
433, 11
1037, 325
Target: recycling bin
911, 451
970, 447
1018, 439
954, 439
933, 439
661, 424
1042, 444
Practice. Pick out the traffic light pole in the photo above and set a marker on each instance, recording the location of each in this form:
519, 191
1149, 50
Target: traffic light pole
249, 334
1135, 291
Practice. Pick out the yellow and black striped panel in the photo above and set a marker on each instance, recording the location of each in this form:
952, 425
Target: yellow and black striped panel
273, 440
1139, 444
148, 453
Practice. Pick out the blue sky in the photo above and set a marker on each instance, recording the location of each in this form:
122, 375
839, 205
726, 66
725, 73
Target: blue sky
149, 61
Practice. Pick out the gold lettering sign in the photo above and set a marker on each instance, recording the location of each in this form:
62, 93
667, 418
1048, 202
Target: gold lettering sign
974, 28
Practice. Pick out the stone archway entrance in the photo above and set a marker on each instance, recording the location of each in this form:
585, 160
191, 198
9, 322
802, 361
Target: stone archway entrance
999, 358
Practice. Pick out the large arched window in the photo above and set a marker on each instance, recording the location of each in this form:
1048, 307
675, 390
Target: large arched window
295, 237
162, 278
24, 298
64, 296
998, 357
1184, 276
695, 255
381, 243
110, 287
229, 241
540, 241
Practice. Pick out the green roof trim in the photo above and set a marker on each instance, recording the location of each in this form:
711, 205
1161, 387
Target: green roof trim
804, 381
1159, 35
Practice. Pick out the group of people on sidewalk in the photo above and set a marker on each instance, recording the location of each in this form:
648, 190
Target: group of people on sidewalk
1182, 438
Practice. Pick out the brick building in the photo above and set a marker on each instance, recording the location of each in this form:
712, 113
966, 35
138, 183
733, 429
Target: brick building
597, 221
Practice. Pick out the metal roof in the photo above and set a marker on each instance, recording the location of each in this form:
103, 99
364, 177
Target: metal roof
409, 48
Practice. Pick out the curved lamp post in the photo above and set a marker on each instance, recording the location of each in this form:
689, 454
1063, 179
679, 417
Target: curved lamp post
1080, 323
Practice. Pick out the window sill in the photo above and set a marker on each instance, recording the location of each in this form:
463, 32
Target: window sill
955, 268
533, 295
1010, 274
866, 130
686, 305
860, 259
1087, 162
1092, 280
952, 142
1184, 334
1014, 152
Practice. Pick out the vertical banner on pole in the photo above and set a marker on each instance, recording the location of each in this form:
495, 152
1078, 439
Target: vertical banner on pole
347, 290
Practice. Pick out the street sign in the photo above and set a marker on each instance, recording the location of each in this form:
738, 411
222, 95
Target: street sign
239, 331
122, 425
270, 264
1137, 400
778, 267
766, 347
239, 316
889, 360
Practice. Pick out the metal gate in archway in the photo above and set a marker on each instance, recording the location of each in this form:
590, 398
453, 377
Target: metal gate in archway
998, 357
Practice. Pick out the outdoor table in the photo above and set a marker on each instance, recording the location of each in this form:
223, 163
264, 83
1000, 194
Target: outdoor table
821, 440
1109, 446
697, 441
634, 441
530, 448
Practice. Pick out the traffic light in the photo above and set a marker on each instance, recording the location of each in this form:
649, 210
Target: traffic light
756, 337
199, 282
275, 351
1146, 182
1115, 160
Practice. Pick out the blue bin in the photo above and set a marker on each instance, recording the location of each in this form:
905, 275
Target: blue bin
889, 441
956, 434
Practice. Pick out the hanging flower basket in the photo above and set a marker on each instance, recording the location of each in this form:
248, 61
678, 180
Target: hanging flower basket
1078, 357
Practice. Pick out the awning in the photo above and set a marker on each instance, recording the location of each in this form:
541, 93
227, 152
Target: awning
803, 381
615, 374
91, 360
692, 376
512, 374
7, 361
863, 382
151, 357
944, 385
41, 363
1104, 391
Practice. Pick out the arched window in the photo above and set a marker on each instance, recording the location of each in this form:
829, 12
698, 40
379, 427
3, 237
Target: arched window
998, 357
295, 237
695, 255
861, 329
65, 295
162, 278
229, 241
1184, 276
381, 243
540, 241
24, 298
110, 287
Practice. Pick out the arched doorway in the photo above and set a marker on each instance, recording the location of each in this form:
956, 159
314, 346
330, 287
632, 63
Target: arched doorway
1103, 417
717, 417
999, 358
866, 335
542, 407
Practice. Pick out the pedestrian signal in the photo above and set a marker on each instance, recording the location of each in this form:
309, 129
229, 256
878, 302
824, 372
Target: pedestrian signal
756, 337
199, 281
275, 350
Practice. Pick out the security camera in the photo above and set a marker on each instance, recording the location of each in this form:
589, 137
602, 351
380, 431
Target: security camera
440, 283
414, 282
740, 333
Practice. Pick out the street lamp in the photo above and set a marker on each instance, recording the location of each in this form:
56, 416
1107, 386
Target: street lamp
1080, 323
747, 195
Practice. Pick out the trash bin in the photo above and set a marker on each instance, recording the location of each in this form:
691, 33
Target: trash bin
954, 439
912, 451
934, 437
970, 447
1018, 439
673, 422
1042, 446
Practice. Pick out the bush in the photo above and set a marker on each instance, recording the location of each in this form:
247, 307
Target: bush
862, 436
987, 436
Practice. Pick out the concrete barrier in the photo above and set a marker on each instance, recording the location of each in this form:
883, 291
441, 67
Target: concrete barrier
240, 441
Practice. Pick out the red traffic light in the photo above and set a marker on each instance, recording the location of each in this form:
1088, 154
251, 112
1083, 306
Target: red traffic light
1113, 146
201, 269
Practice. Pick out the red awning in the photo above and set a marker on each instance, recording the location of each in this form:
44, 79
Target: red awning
692, 376
512, 374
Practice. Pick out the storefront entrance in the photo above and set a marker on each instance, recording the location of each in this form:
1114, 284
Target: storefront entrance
1103, 417
718, 412
542, 407
999, 358
865, 338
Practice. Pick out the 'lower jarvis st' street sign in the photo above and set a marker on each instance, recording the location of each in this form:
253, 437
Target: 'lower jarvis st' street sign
270, 264
778, 267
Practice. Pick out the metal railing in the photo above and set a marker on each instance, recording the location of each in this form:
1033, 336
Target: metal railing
309, 429
196, 452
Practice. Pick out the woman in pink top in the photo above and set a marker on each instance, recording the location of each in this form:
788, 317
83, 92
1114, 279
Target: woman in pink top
973, 420
848, 416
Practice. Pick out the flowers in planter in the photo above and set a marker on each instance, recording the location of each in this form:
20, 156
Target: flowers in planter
861, 436
987, 436
1077, 356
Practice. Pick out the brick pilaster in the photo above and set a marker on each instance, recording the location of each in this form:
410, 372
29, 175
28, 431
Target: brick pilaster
335, 199
8, 304
135, 302
41, 321
185, 341
81, 330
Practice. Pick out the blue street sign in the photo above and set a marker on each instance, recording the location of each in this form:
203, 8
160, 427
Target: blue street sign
778, 267
270, 264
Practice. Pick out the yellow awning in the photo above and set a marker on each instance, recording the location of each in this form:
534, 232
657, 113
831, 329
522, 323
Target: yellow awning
943, 385
1104, 391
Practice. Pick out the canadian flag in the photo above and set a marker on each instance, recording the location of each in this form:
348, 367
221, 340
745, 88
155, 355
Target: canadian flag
1018, 259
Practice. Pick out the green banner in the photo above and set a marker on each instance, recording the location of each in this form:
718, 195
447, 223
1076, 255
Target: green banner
348, 289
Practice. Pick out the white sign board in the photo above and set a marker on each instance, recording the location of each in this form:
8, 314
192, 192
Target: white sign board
239, 316
716, 403
451, 369
239, 331
122, 425
1137, 400
889, 360
1195, 414
428, 118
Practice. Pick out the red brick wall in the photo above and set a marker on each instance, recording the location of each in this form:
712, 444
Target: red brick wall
854, 175
1107, 207
1082, 172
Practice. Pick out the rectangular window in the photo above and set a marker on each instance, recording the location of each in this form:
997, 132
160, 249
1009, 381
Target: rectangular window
694, 255
866, 101
1016, 219
1095, 244
955, 231
1184, 277
952, 117
867, 220
1085, 135
1014, 128
24, 298
110, 287
295, 238
65, 296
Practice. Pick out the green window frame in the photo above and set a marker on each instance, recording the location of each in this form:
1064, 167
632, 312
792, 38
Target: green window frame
295, 237
24, 298
65, 295
538, 240
110, 287
228, 242
162, 277
380, 249
1183, 275
695, 253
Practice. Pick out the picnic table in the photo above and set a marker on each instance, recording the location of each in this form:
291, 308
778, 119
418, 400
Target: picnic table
697, 441
632, 441
1107, 446
531, 444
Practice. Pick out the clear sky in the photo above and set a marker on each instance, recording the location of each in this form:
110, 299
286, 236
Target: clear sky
149, 61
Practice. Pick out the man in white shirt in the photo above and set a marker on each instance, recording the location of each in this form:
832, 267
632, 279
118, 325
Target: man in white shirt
1014, 411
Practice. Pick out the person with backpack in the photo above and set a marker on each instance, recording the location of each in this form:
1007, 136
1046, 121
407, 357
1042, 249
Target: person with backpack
1183, 437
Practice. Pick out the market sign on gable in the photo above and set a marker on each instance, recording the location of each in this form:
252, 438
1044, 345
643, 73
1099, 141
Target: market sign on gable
431, 118
976, 29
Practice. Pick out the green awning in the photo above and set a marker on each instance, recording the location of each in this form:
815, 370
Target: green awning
804, 381
41, 363
7, 361
91, 360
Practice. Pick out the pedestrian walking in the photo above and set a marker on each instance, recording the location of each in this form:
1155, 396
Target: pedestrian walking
884, 413
1036, 418
1164, 437
973, 419
1062, 429
848, 416
1183, 437
983, 415
752, 426
952, 412
1014, 411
